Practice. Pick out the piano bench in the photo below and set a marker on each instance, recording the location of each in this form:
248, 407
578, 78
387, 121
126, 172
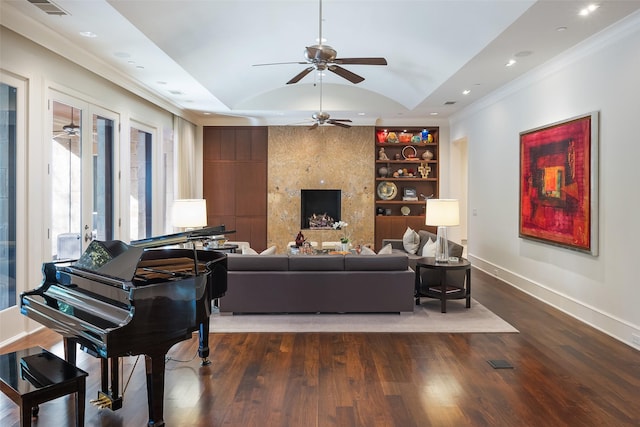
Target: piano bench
33, 376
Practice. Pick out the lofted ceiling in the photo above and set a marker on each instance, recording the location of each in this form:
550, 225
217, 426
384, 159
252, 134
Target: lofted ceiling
199, 55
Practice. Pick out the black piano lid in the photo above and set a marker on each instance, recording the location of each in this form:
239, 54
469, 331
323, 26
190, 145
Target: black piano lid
100, 257
178, 238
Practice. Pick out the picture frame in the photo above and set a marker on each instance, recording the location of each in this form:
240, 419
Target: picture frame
558, 201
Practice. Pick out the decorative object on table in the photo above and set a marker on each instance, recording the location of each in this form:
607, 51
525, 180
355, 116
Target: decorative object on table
409, 153
387, 190
382, 135
300, 239
397, 156
442, 213
392, 137
383, 172
415, 139
380, 211
424, 135
405, 210
424, 170
387, 212
559, 184
382, 155
427, 155
344, 239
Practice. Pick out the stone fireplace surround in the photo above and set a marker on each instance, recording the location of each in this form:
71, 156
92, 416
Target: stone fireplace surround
328, 157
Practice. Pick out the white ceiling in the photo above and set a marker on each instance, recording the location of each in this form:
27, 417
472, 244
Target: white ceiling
198, 55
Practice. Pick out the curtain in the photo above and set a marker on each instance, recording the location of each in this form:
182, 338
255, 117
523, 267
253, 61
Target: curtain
185, 148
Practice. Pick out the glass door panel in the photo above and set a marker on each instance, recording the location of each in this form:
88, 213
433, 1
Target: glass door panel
66, 182
8, 111
140, 206
103, 178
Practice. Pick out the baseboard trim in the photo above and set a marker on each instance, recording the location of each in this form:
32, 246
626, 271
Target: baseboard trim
606, 323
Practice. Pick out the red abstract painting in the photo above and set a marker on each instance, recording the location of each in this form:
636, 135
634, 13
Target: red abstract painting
557, 191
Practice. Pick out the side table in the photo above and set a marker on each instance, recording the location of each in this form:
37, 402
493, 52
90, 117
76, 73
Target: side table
33, 376
442, 290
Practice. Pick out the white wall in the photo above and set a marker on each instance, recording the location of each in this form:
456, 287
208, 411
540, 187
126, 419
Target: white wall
602, 74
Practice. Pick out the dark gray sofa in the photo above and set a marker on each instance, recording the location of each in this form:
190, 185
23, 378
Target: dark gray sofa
318, 284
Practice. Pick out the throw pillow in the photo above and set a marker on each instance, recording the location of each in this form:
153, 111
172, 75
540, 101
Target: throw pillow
246, 250
366, 250
269, 251
429, 249
410, 241
387, 249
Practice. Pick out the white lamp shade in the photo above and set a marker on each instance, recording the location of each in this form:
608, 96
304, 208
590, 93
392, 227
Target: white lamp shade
189, 213
442, 212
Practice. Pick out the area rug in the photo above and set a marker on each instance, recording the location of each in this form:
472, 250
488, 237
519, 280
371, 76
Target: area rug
425, 318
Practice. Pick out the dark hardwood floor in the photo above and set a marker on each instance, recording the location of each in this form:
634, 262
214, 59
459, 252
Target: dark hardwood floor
564, 374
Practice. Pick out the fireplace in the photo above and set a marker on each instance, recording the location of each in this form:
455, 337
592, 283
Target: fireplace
322, 203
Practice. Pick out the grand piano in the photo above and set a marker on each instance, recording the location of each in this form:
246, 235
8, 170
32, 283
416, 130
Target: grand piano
123, 299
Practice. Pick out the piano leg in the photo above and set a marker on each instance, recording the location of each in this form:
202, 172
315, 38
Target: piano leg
69, 350
203, 347
155, 388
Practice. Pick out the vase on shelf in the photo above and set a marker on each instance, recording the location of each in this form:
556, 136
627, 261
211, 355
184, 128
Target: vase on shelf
427, 155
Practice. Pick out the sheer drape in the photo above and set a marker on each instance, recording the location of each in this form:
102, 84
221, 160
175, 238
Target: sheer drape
186, 185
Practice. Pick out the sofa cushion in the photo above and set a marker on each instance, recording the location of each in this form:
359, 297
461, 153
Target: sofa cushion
424, 238
316, 262
379, 263
411, 241
429, 249
386, 249
239, 262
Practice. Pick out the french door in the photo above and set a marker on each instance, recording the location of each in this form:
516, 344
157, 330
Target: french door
13, 112
82, 175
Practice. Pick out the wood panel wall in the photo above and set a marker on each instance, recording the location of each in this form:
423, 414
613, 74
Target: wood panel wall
235, 181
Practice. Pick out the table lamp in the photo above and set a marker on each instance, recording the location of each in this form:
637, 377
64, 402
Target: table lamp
189, 214
442, 213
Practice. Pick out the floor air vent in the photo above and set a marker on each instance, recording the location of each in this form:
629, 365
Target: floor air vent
48, 7
500, 364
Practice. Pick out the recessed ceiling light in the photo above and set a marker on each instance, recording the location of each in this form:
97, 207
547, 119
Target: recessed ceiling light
589, 9
362, 114
561, 29
88, 34
160, 82
175, 92
206, 113
466, 92
523, 53
510, 63
140, 67
433, 113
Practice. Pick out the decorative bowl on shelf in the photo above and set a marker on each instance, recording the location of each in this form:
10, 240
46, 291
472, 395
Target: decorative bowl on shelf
387, 190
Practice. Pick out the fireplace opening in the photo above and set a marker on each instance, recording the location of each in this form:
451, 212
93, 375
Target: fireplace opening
319, 208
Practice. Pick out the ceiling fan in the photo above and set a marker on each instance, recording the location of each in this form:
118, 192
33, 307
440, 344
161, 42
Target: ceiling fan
322, 117
70, 129
322, 57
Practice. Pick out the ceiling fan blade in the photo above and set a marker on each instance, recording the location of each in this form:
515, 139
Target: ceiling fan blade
300, 75
342, 120
279, 63
342, 72
361, 61
336, 123
312, 127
